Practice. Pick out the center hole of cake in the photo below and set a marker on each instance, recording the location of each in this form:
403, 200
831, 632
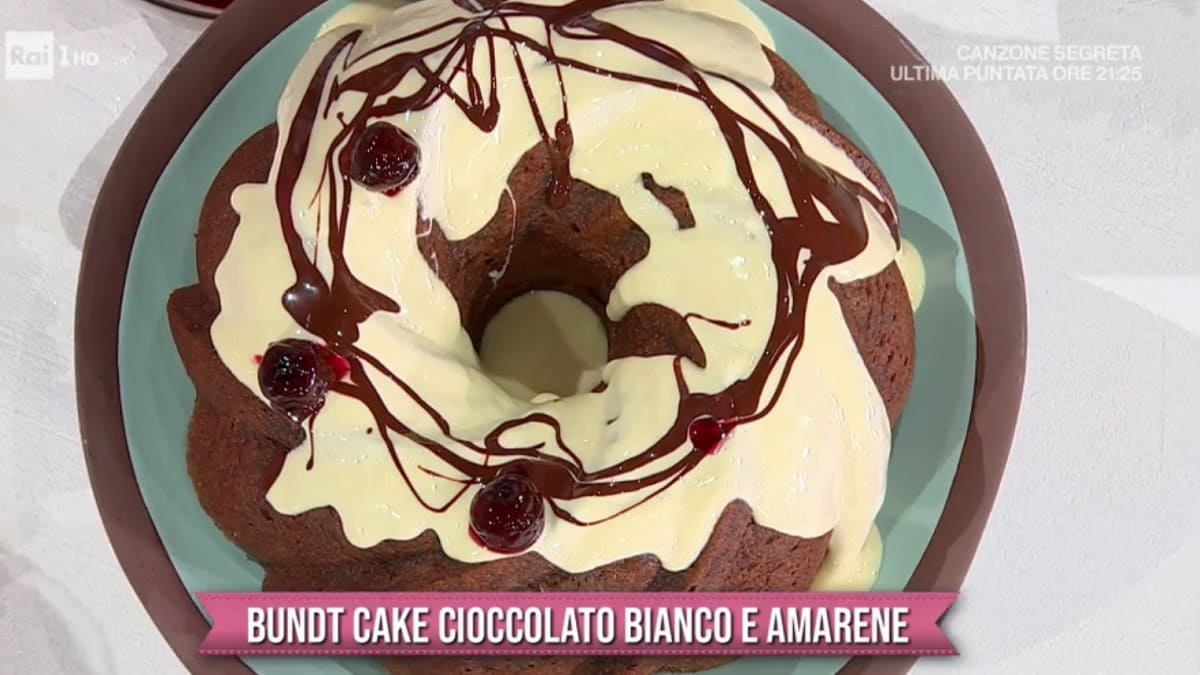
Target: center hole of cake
544, 342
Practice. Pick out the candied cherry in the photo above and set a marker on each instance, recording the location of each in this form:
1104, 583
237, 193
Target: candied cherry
707, 434
508, 514
383, 158
294, 376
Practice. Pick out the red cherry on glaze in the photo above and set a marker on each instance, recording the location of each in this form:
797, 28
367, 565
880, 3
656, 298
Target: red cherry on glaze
383, 159
508, 514
707, 434
294, 376
337, 364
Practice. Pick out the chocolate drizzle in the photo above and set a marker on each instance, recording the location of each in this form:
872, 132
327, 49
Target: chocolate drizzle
334, 310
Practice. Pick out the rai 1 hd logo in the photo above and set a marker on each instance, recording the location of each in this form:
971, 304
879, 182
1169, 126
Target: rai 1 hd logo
34, 55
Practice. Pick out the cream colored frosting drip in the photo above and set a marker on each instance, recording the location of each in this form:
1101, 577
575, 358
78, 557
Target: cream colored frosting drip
818, 464
912, 270
851, 571
361, 12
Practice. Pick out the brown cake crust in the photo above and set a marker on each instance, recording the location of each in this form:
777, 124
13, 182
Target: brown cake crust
236, 443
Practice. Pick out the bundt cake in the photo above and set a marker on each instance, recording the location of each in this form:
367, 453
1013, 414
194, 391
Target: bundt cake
654, 159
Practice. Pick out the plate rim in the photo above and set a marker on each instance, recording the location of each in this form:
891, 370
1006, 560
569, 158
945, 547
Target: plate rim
189, 8
939, 124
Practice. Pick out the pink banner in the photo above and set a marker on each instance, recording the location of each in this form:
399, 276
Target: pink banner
577, 624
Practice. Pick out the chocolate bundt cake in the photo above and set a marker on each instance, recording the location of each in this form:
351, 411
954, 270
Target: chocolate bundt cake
654, 159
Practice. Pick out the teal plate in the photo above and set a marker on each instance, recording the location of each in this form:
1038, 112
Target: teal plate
157, 396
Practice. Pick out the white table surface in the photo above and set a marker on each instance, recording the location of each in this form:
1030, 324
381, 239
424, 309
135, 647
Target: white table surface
1096, 533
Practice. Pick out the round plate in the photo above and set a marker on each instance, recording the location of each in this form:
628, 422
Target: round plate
189, 7
135, 400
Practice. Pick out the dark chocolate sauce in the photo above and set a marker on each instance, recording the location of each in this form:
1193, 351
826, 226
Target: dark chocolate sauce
334, 309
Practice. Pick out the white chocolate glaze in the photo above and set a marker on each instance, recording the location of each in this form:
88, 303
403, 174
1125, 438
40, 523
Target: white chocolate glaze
818, 464
851, 571
361, 12
912, 269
